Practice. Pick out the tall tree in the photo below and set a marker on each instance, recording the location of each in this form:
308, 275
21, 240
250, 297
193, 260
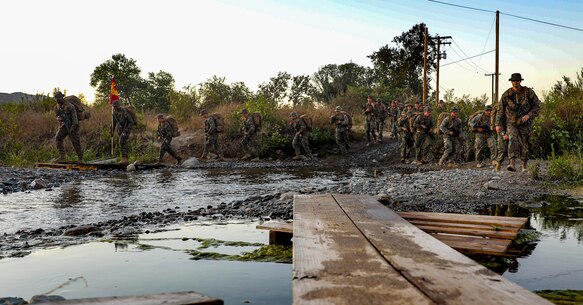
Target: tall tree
214, 92
126, 73
333, 80
301, 89
401, 66
277, 87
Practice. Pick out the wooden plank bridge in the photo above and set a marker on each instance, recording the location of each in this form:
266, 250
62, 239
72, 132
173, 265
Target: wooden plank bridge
353, 250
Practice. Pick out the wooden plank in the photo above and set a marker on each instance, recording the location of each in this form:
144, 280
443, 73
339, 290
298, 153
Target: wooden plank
463, 218
461, 225
334, 264
475, 245
175, 298
443, 274
471, 232
277, 226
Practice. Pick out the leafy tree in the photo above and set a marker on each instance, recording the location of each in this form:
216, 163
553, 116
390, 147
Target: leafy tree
214, 92
401, 66
155, 95
239, 93
183, 102
127, 76
277, 87
301, 90
333, 80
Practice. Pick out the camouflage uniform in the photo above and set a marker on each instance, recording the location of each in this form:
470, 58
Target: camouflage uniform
405, 136
67, 115
512, 107
422, 136
165, 134
381, 115
211, 135
370, 123
451, 143
342, 129
301, 137
123, 122
249, 136
484, 137
393, 114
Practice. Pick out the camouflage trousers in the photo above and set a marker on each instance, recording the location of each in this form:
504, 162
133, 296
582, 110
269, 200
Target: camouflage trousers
369, 129
484, 140
249, 143
519, 137
380, 126
405, 145
166, 147
341, 136
422, 145
502, 148
301, 141
124, 138
392, 124
73, 133
451, 146
211, 144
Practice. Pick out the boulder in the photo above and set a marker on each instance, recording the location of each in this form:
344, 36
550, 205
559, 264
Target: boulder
46, 299
191, 163
81, 230
37, 184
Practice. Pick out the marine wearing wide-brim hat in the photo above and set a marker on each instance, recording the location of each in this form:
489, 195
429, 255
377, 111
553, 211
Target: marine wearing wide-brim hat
338, 108
488, 107
515, 77
454, 109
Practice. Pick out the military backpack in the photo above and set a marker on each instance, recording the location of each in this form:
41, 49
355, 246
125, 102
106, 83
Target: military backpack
219, 122
174, 125
440, 119
308, 121
470, 124
257, 120
349, 119
130, 110
82, 114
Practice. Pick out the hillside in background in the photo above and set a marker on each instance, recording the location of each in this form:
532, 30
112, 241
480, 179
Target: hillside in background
18, 97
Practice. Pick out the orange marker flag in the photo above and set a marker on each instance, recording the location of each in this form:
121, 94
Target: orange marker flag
113, 95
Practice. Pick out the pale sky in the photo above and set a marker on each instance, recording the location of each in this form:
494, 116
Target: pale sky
58, 43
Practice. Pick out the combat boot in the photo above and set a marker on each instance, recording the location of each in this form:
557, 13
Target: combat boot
62, 158
441, 161
124, 160
246, 157
297, 157
511, 165
497, 165
525, 166
480, 164
221, 158
178, 160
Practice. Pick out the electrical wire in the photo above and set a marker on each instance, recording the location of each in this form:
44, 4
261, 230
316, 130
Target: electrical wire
461, 57
510, 15
453, 62
466, 55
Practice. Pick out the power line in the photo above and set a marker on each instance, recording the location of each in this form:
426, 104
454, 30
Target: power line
466, 55
510, 15
453, 62
474, 70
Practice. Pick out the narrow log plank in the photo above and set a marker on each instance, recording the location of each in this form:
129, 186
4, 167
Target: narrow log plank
285, 227
471, 232
443, 274
175, 298
464, 218
466, 244
462, 225
334, 264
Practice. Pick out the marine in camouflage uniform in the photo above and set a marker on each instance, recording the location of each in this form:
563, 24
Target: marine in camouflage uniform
405, 134
123, 122
381, 114
518, 107
211, 136
451, 127
342, 122
249, 135
423, 124
393, 115
301, 137
370, 121
481, 126
69, 126
165, 134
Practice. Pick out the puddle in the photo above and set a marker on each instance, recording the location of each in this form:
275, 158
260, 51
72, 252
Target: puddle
125, 268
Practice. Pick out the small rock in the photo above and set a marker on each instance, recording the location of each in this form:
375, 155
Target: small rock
12, 301
37, 184
191, 163
491, 185
81, 230
46, 299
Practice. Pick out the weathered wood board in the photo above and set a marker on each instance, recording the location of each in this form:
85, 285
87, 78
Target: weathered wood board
91, 166
333, 263
500, 221
441, 273
280, 233
175, 298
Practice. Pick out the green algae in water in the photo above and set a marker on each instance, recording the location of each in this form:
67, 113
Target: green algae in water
269, 253
562, 297
526, 236
211, 242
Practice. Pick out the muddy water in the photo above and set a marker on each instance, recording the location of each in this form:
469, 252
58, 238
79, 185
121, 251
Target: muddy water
556, 260
99, 199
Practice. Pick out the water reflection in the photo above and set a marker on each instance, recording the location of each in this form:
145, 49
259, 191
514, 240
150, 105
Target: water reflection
70, 195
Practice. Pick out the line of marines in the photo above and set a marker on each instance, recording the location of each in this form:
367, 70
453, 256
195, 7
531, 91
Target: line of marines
413, 126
